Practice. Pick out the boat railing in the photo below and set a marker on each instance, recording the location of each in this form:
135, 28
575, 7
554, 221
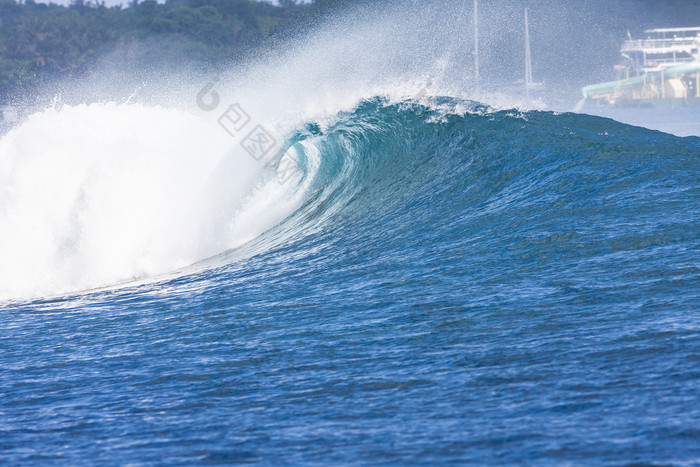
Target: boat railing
677, 43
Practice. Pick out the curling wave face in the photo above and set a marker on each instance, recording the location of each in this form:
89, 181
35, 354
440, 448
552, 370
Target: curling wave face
103, 194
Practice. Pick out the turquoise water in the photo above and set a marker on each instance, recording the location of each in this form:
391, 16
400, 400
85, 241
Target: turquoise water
489, 287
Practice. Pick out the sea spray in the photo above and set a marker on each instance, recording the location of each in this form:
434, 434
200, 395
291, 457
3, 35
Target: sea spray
94, 195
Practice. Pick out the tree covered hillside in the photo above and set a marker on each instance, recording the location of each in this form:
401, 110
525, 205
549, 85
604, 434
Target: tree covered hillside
39, 41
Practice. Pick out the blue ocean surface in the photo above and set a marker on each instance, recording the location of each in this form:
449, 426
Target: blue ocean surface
481, 287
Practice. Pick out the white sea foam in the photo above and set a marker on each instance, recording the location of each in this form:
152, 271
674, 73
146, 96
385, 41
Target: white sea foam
99, 194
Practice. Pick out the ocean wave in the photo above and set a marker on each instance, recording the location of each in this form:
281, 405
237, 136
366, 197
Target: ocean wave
105, 194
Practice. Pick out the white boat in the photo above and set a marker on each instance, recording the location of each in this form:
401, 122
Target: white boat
662, 70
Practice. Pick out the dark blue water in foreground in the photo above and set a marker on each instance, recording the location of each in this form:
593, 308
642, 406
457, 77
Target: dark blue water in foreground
493, 288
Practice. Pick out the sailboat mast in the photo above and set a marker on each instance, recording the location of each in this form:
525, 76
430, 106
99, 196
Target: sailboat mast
476, 42
528, 59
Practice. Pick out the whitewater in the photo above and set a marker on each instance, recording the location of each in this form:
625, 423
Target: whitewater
344, 253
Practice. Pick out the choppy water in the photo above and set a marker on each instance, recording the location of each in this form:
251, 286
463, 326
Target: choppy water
438, 284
